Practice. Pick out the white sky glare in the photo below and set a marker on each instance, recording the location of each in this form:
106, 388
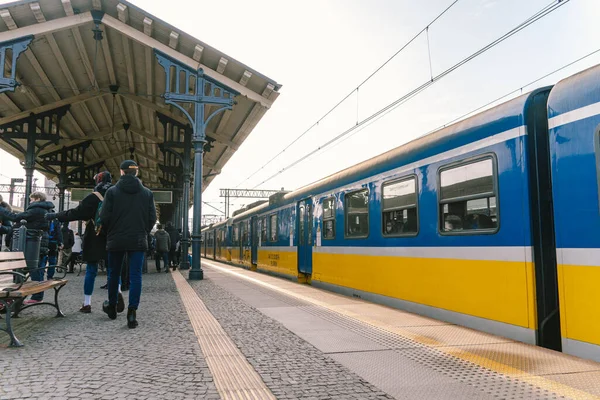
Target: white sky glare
321, 50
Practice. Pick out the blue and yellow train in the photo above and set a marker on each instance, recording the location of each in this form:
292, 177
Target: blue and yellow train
491, 223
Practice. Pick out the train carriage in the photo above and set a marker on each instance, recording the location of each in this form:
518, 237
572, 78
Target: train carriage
574, 122
489, 223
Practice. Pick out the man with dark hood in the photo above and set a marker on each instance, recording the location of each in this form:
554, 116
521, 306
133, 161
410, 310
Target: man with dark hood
128, 215
94, 237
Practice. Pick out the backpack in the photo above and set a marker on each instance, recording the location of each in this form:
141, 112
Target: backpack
96, 221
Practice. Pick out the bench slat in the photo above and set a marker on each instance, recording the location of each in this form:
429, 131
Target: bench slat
11, 255
10, 265
33, 287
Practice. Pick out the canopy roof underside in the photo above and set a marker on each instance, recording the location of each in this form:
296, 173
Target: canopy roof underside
65, 65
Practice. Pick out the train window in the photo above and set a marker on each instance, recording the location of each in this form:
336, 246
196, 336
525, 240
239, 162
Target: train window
329, 218
357, 214
235, 234
301, 225
468, 195
263, 230
244, 233
273, 226
310, 224
399, 208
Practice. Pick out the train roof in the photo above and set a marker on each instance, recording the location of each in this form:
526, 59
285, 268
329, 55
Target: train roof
501, 118
575, 92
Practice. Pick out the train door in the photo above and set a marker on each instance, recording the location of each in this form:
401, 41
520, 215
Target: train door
305, 236
219, 243
542, 224
243, 238
213, 236
254, 231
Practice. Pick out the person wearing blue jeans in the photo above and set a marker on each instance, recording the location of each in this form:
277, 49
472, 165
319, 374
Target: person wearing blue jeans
128, 215
115, 263
94, 238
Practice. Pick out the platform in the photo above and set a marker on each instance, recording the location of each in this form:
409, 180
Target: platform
244, 335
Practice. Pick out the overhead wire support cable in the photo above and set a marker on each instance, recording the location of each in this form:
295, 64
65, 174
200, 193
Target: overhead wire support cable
351, 93
556, 4
463, 116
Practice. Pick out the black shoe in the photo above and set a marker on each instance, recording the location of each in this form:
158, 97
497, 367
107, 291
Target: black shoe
157, 269
120, 303
110, 310
104, 286
166, 270
131, 321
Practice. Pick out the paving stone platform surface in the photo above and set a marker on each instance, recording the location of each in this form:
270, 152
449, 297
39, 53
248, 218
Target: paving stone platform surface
88, 356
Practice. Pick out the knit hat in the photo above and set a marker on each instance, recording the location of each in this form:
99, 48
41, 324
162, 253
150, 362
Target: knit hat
102, 177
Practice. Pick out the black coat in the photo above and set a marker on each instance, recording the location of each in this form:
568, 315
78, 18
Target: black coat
163, 241
128, 215
94, 246
68, 237
175, 237
34, 215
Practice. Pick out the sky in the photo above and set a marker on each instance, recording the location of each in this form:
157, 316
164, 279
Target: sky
320, 51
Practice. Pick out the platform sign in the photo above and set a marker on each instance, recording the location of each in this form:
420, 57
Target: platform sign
78, 194
160, 196
163, 197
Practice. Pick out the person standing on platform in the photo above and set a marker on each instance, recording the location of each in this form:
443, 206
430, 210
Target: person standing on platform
68, 242
163, 246
5, 225
54, 246
34, 215
94, 238
128, 215
172, 231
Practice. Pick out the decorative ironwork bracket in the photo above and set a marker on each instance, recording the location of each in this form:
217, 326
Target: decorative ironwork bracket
17, 46
197, 89
84, 176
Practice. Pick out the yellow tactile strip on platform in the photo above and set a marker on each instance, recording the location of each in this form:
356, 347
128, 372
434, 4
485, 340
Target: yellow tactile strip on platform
319, 298
234, 377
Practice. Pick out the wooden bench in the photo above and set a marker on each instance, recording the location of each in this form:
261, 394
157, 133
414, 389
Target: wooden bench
13, 268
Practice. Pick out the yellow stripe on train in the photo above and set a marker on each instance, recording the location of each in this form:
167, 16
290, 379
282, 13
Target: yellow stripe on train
279, 262
502, 291
579, 292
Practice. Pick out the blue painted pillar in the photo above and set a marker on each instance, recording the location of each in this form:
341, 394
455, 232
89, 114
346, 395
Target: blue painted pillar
206, 91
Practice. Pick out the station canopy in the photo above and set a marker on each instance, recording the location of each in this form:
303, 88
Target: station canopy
113, 87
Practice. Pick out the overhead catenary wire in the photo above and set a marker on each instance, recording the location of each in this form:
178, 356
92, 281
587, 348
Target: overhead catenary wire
355, 90
215, 208
479, 108
556, 4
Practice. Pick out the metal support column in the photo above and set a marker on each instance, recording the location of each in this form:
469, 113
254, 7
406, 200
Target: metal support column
184, 262
71, 156
61, 197
206, 91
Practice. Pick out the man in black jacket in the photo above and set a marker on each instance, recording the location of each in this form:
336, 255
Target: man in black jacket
128, 215
94, 238
175, 237
35, 217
